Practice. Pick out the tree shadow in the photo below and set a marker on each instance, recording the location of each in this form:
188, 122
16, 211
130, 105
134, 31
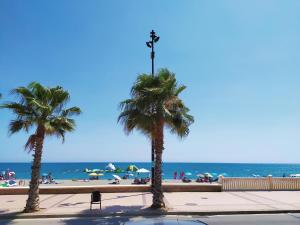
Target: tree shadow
2, 211
122, 196
124, 209
97, 216
71, 204
110, 215
116, 220
133, 220
8, 218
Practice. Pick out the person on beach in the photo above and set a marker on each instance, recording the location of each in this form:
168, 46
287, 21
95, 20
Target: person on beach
175, 175
181, 175
21, 182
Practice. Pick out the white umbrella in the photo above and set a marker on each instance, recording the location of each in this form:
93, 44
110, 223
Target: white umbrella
110, 167
208, 175
142, 170
188, 174
117, 177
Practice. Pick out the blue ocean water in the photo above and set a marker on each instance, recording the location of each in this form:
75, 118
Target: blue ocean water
75, 170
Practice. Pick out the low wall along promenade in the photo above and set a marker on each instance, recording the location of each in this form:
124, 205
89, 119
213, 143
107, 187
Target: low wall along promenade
225, 184
113, 189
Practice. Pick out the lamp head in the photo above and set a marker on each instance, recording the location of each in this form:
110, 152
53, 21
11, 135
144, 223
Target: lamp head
156, 38
149, 44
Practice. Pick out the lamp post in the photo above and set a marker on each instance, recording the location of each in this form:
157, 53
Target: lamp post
150, 44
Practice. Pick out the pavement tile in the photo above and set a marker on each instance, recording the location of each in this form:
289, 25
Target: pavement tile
176, 202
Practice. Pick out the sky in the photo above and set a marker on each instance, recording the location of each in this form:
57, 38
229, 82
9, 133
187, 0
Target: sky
238, 59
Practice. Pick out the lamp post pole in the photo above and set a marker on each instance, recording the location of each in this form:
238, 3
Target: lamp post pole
150, 44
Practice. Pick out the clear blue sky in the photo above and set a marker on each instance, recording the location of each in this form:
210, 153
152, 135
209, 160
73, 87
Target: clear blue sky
239, 59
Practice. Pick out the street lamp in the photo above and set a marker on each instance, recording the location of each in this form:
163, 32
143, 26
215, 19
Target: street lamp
150, 44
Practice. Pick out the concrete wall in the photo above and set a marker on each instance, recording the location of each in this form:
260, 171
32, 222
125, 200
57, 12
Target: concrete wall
113, 189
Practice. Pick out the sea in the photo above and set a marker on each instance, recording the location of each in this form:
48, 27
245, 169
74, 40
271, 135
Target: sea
75, 170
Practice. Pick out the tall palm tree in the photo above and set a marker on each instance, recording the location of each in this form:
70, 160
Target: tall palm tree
41, 108
155, 104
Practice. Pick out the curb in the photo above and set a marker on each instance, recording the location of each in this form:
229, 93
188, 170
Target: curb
142, 213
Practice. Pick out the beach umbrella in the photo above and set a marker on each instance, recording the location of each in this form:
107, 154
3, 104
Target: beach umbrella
119, 170
110, 167
117, 177
86, 170
188, 174
142, 170
132, 168
11, 183
208, 175
200, 175
93, 174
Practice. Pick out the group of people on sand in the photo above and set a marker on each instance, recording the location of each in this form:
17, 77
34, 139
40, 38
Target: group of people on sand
207, 178
180, 177
9, 178
141, 181
47, 179
7, 175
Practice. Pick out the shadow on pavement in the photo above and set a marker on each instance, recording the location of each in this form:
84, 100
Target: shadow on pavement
123, 196
123, 209
8, 218
116, 220
110, 215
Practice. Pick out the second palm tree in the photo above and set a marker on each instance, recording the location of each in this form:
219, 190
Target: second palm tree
154, 104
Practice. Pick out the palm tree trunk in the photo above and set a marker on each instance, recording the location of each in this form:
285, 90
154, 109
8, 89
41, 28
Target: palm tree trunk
152, 162
158, 196
33, 203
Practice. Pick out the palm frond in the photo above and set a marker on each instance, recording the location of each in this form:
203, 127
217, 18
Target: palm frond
59, 99
44, 107
31, 142
71, 111
153, 98
19, 124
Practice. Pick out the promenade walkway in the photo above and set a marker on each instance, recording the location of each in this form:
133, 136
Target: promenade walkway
137, 203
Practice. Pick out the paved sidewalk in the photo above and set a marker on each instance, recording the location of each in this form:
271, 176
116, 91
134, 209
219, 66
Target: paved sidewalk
177, 203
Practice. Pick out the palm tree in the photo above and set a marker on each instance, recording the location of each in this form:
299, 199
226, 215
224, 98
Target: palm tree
42, 108
155, 104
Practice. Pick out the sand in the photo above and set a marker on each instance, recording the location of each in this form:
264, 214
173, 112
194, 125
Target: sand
96, 182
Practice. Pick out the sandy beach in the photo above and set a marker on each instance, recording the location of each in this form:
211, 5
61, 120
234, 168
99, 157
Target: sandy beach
96, 182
